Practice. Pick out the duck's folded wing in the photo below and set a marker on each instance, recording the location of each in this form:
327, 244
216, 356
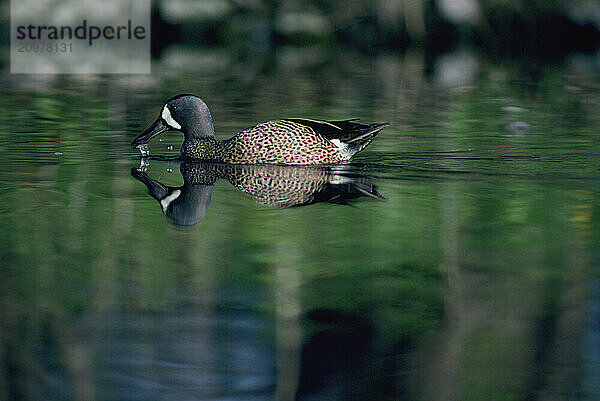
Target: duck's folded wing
347, 131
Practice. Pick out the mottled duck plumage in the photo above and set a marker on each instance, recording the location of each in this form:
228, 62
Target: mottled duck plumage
290, 141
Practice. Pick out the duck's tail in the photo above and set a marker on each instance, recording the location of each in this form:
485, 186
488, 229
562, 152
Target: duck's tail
361, 135
349, 136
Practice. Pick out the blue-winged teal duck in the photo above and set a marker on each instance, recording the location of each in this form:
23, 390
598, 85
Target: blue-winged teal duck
292, 141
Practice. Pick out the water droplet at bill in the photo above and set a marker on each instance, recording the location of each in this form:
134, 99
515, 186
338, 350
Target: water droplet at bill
144, 149
144, 163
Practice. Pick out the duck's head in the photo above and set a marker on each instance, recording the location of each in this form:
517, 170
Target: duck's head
186, 113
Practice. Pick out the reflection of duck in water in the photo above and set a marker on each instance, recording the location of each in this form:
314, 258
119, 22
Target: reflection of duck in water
184, 205
291, 141
277, 186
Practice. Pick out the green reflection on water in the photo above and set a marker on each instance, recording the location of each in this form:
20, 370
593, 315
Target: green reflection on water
468, 282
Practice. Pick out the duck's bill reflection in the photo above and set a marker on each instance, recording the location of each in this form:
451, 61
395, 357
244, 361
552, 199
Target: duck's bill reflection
275, 186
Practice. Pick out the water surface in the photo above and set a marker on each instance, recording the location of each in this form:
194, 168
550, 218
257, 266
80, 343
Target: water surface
475, 278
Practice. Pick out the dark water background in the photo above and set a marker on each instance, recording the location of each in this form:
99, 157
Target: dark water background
475, 279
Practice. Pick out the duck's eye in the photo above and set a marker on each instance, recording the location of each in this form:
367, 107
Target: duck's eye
166, 116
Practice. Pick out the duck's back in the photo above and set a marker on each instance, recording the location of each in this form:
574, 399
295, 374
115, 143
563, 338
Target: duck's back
280, 142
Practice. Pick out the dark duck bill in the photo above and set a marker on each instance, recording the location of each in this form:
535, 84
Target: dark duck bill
155, 129
163, 123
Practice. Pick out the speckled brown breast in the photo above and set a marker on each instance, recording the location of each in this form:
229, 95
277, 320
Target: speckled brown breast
272, 142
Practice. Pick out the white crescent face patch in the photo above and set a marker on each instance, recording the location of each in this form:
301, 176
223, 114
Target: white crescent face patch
166, 115
167, 200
